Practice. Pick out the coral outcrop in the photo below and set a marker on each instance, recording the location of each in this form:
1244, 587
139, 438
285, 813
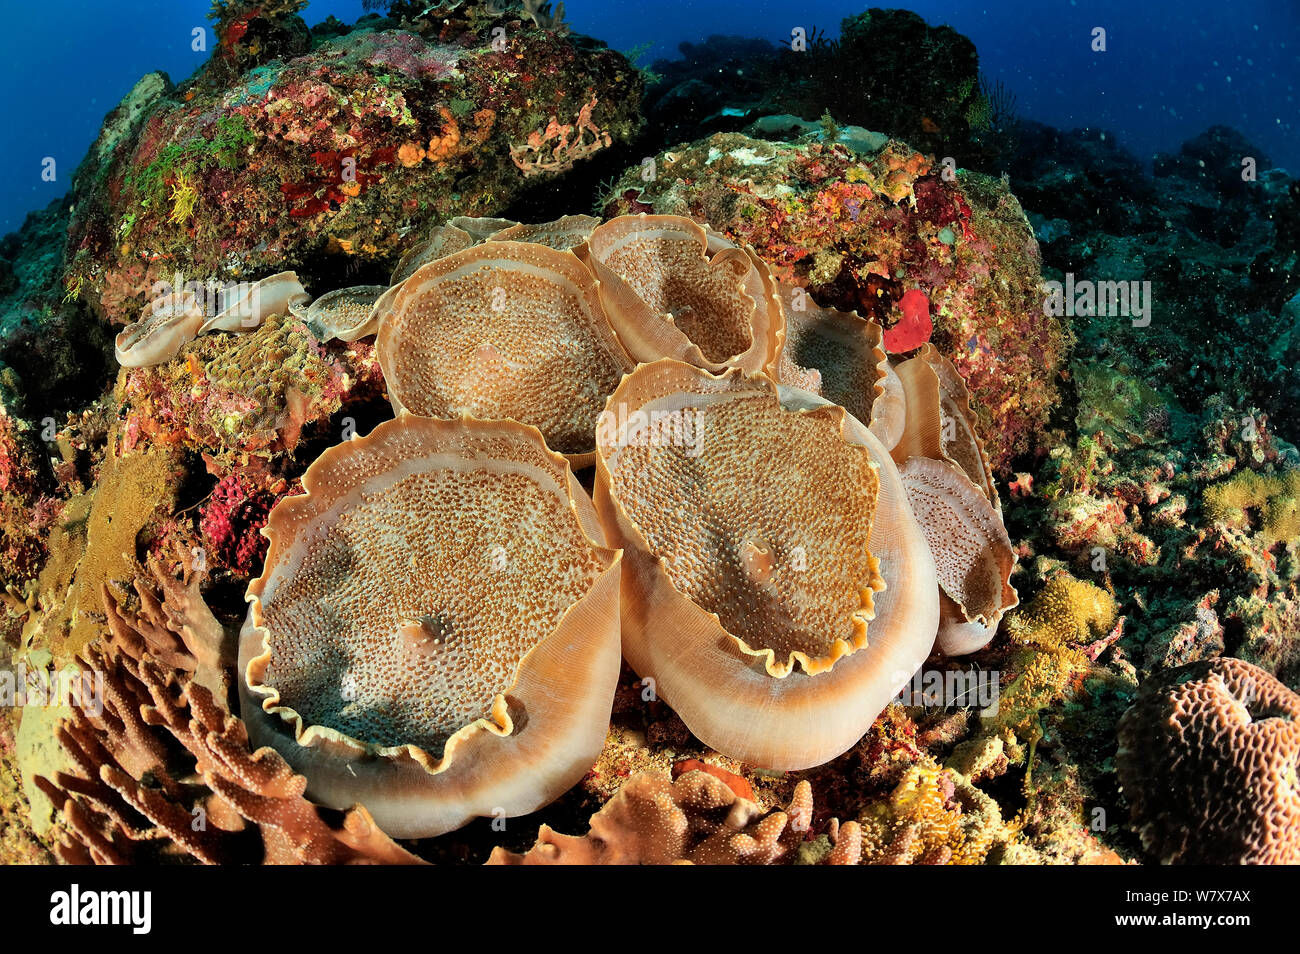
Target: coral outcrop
326, 160
860, 231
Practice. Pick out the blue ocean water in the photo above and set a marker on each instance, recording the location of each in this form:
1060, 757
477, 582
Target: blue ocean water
1171, 69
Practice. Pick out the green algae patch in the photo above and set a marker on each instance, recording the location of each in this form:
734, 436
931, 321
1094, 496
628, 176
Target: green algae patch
1273, 500
38, 752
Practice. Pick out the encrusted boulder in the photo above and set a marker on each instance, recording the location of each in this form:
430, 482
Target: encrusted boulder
329, 160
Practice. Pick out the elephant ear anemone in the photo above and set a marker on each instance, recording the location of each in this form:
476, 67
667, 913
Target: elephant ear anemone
672, 288
776, 586
435, 634
503, 330
950, 486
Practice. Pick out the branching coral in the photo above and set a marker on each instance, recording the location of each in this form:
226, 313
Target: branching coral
165, 772
696, 819
557, 147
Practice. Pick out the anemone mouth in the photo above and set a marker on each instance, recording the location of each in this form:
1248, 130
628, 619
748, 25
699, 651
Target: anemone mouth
759, 514
406, 591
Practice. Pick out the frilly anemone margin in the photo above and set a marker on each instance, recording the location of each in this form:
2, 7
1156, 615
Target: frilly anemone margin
804, 709
540, 734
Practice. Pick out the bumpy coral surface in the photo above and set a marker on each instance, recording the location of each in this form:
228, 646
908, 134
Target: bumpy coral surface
697, 819
236, 398
1207, 758
232, 522
338, 153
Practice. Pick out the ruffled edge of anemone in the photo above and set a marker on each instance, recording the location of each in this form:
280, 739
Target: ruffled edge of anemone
499, 722
800, 402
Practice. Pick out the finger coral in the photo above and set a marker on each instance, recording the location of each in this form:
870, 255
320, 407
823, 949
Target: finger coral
1207, 759
696, 819
435, 633
503, 330
772, 561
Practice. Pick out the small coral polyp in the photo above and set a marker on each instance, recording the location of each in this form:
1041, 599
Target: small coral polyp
435, 634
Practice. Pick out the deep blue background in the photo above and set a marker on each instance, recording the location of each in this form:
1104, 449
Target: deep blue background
1174, 67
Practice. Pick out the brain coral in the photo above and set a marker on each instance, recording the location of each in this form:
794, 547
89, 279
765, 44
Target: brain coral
435, 632
1207, 759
